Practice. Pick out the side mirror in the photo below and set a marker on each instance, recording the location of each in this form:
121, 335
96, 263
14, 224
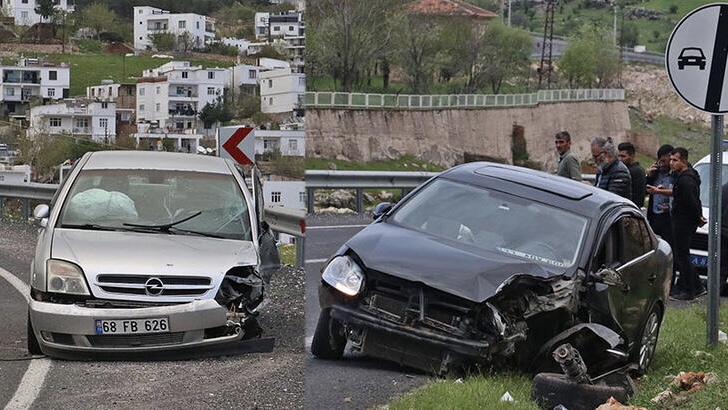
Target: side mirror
41, 213
610, 277
381, 209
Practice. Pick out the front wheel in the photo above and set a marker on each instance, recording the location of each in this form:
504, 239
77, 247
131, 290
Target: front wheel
643, 353
329, 339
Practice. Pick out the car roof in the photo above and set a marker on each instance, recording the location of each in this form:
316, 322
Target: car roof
565, 193
155, 160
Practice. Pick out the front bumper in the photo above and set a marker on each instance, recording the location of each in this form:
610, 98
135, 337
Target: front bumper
69, 331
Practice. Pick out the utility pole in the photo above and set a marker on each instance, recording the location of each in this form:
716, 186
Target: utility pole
546, 66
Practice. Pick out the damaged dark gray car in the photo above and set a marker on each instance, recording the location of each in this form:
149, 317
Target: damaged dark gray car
490, 265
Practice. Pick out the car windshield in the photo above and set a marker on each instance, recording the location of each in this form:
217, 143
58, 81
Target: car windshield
703, 170
175, 202
495, 221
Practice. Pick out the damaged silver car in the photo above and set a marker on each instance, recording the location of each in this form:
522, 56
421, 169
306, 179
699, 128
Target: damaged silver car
491, 266
153, 253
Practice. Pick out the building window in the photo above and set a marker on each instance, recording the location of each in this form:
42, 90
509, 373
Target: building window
157, 107
270, 83
292, 145
141, 91
302, 197
103, 122
211, 75
81, 123
25, 1
275, 197
252, 74
158, 90
24, 15
210, 90
51, 92
53, 75
181, 91
290, 28
55, 122
104, 104
184, 74
182, 24
141, 107
276, 28
270, 101
10, 91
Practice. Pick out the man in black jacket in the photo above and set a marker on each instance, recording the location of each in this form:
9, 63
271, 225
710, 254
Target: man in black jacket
687, 215
637, 173
612, 174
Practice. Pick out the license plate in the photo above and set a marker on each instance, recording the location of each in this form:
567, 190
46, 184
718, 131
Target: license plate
699, 260
131, 326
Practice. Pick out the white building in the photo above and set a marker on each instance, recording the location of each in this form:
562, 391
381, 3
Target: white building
281, 91
32, 78
190, 29
169, 99
245, 79
95, 120
269, 25
23, 11
124, 95
288, 194
290, 143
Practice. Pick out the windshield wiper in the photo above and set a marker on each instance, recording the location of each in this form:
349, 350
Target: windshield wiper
166, 228
92, 227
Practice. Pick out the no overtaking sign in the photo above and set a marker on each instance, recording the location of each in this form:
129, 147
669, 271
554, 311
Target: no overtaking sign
697, 56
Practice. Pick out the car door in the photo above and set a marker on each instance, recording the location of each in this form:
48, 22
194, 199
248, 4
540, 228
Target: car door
627, 246
270, 260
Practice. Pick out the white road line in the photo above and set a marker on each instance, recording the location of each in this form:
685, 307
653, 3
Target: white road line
316, 260
29, 387
308, 341
308, 228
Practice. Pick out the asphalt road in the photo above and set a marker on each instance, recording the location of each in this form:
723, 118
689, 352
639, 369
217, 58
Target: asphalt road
272, 380
356, 381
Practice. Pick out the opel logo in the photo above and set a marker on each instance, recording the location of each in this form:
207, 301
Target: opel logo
154, 287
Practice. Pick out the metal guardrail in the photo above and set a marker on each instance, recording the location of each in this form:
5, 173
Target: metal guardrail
328, 99
282, 220
360, 180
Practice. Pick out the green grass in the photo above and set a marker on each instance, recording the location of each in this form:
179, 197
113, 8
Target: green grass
288, 254
681, 347
404, 163
695, 136
90, 69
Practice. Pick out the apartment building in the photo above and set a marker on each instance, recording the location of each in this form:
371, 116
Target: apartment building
281, 90
23, 11
190, 29
169, 98
32, 78
269, 25
123, 95
286, 142
84, 118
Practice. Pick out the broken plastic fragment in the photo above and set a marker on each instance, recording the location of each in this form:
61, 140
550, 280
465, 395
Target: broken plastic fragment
507, 397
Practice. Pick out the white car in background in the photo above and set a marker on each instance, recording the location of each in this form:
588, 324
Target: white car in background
144, 252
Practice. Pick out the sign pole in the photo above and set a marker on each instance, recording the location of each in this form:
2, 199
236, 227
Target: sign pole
714, 229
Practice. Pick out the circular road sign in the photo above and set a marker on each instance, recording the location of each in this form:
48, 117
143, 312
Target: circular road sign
696, 58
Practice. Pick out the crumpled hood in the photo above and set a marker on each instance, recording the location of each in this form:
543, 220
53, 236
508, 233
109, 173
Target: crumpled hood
415, 256
149, 253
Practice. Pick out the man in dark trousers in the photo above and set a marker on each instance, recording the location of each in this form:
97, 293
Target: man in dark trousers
637, 173
687, 215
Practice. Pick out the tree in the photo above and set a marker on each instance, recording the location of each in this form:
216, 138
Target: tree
215, 113
590, 59
163, 41
503, 52
99, 17
417, 49
350, 36
45, 9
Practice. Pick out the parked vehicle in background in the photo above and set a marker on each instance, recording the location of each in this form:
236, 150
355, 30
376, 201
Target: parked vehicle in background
149, 252
494, 265
699, 242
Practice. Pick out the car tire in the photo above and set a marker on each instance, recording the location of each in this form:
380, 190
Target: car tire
644, 349
552, 389
329, 339
33, 345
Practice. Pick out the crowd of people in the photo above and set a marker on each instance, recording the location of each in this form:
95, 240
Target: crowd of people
672, 189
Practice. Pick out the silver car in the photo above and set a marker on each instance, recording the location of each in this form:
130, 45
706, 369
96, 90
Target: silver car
145, 252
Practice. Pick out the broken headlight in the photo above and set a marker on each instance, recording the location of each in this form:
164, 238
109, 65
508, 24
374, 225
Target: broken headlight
344, 275
65, 277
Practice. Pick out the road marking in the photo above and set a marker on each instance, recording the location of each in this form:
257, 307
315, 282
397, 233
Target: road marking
308, 341
29, 387
316, 260
309, 228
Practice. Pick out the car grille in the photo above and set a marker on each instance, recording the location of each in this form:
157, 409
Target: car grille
411, 303
159, 339
166, 285
699, 241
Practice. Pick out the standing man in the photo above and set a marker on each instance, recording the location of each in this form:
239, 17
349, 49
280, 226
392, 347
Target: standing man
687, 215
569, 166
659, 182
636, 172
612, 174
